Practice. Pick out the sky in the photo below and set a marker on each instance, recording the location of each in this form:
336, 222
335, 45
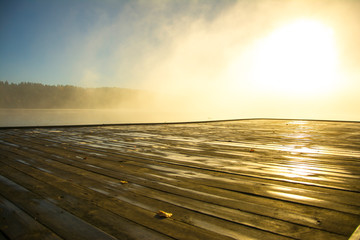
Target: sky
224, 59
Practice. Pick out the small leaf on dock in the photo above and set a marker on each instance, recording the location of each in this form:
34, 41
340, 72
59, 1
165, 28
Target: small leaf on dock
163, 214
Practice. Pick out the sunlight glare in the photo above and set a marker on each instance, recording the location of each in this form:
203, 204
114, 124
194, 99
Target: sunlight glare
299, 58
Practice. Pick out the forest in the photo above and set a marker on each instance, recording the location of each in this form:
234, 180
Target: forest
40, 96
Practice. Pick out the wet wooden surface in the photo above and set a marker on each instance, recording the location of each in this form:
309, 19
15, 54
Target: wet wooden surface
249, 179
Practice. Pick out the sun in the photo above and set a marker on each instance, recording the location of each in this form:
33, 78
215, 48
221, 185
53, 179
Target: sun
299, 58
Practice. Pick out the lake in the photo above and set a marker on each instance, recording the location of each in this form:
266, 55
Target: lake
50, 117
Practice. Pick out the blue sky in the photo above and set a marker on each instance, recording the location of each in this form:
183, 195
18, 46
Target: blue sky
67, 41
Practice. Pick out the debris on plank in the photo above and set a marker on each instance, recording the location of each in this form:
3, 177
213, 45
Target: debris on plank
163, 214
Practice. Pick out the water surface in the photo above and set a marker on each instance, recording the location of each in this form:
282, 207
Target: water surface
50, 117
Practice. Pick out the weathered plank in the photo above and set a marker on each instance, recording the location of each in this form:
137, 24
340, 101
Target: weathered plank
300, 180
309, 220
356, 234
129, 211
17, 224
59, 221
95, 190
84, 208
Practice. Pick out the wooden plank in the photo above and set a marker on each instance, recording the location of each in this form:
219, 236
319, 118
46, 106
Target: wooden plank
2, 236
83, 208
356, 234
176, 229
245, 185
204, 174
59, 221
148, 193
259, 221
121, 200
272, 179
321, 221
17, 224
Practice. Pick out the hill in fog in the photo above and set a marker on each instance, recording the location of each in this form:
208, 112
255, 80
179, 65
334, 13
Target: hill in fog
36, 95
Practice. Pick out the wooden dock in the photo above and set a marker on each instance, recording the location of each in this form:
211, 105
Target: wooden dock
247, 179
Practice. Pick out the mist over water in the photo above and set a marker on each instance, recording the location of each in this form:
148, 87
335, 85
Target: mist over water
207, 61
59, 117
204, 67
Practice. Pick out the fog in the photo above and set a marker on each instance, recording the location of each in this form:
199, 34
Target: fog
202, 60
203, 67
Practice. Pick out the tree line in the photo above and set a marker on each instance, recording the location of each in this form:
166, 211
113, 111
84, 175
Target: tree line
37, 95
